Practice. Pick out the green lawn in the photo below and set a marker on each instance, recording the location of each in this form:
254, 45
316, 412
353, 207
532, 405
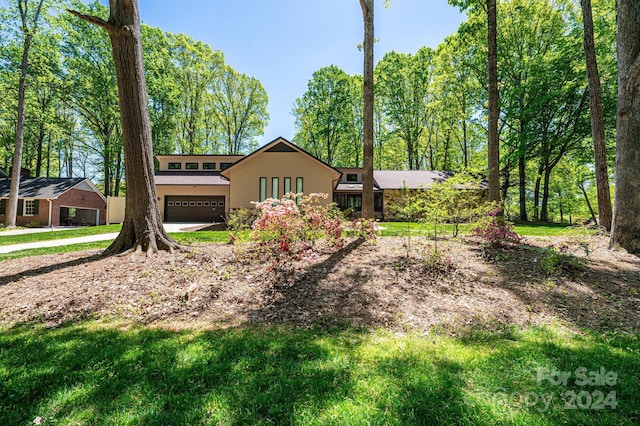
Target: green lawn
202, 237
526, 230
187, 238
6, 240
103, 373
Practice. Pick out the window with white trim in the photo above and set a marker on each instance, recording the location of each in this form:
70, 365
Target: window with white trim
29, 207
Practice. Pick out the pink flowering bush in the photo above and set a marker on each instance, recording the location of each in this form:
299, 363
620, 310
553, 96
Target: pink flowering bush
287, 230
495, 230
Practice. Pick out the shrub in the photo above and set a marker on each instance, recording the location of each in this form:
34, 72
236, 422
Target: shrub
457, 199
241, 219
363, 228
437, 259
495, 230
287, 231
557, 259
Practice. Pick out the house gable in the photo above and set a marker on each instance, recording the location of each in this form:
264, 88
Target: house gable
278, 168
281, 147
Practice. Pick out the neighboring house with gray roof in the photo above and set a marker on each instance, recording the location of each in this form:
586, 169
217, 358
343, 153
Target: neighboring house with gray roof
55, 202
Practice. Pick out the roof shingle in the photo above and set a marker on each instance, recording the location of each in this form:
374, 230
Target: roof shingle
48, 188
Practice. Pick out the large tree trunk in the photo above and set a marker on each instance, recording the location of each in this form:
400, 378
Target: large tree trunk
142, 228
597, 123
493, 142
626, 220
367, 178
14, 186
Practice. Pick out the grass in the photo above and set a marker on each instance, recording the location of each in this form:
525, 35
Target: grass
84, 231
525, 230
187, 238
54, 250
202, 237
104, 373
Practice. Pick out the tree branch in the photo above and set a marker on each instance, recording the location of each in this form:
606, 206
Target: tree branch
93, 20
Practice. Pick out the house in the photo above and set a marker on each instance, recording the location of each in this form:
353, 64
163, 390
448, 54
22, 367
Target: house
206, 188
55, 202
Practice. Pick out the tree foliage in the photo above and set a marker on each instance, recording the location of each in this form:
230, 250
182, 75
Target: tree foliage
197, 103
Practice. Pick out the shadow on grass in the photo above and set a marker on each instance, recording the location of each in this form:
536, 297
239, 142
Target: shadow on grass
88, 373
6, 279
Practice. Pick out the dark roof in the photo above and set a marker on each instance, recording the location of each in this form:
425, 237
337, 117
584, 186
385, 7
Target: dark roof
411, 179
346, 187
199, 155
40, 187
189, 178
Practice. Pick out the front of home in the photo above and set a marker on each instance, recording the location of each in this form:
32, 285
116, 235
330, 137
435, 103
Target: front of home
206, 188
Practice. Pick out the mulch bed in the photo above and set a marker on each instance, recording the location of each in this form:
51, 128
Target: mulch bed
395, 283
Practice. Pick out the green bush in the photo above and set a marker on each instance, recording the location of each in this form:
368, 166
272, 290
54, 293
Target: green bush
559, 259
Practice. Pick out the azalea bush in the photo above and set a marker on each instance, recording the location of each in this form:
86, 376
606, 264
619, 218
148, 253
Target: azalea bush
288, 228
495, 230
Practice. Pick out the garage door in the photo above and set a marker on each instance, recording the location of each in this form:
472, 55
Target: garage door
193, 209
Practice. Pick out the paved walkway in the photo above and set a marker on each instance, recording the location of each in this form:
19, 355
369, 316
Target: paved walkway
169, 227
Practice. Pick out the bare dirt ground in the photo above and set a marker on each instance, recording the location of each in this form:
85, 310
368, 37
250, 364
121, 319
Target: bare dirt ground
389, 284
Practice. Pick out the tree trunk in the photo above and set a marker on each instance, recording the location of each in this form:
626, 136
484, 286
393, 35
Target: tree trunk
367, 179
14, 186
41, 135
626, 220
493, 142
586, 199
142, 228
597, 123
544, 209
536, 198
465, 149
522, 183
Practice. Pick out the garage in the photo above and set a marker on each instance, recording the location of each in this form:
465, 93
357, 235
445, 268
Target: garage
76, 216
191, 208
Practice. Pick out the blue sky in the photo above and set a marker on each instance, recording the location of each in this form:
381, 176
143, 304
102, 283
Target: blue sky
282, 42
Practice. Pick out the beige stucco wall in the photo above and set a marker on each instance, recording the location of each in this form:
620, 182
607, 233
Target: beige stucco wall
245, 176
199, 190
164, 160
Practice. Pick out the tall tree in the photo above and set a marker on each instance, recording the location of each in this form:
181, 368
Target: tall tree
368, 97
142, 227
240, 110
493, 145
597, 121
324, 115
197, 67
405, 94
625, 230
29, 26
92, 92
